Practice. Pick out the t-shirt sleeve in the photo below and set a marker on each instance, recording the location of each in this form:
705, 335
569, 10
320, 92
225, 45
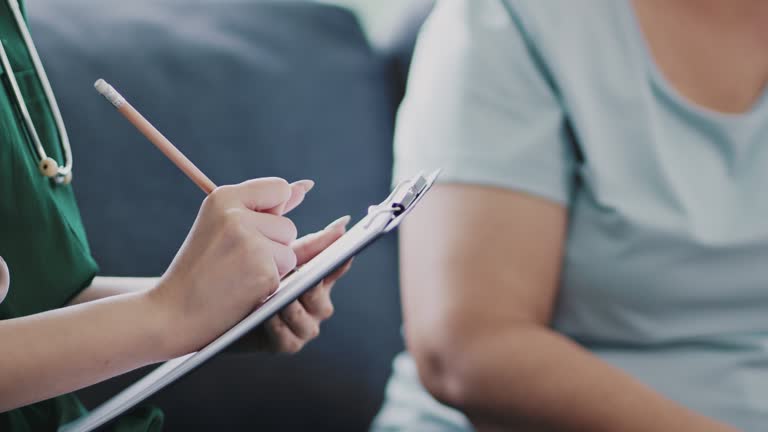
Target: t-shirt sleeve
481, 107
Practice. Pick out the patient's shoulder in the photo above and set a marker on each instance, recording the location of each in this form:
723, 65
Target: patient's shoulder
552, 29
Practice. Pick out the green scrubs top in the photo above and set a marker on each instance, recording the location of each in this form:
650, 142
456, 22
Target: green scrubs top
41, 235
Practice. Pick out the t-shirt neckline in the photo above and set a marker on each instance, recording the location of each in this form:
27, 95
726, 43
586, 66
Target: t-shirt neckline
659, 80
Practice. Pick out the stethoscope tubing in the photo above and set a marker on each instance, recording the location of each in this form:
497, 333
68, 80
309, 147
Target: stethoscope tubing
62, 171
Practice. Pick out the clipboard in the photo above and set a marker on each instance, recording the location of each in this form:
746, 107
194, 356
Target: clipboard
381, 219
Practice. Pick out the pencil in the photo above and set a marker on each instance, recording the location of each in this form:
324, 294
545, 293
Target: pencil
155, 137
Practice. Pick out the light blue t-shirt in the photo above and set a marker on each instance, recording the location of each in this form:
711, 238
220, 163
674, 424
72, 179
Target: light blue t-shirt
666, 268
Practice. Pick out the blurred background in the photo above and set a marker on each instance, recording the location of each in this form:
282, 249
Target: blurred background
378, 16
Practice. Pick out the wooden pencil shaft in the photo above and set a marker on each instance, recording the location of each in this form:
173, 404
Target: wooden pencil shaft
165, 146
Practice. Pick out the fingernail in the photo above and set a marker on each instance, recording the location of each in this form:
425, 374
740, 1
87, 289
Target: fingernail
340, 222
306, 184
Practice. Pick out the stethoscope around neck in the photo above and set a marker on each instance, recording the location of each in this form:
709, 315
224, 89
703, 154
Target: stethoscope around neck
47, 165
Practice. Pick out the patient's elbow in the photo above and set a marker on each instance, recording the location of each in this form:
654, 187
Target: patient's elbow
445, 382
451, 369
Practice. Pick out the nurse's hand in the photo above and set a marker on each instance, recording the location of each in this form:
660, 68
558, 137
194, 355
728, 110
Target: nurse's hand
291, 329
232, 260
5, 279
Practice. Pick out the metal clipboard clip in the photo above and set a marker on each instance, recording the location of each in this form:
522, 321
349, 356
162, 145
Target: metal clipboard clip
402, 200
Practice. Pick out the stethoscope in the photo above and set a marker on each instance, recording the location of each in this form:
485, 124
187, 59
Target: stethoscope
47, 165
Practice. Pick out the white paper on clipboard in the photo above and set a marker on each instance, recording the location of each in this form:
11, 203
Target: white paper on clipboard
380, 219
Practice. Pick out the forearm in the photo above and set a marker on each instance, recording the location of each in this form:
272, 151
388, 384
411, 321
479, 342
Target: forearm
108, 286
63, 350
534, 378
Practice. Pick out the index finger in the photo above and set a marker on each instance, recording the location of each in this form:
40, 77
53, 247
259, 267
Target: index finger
299, 190
263, 193
309, 246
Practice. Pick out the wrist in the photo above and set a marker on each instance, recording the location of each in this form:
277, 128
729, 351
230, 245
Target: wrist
163, 323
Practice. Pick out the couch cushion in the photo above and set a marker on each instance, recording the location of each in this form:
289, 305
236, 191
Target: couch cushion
245, 89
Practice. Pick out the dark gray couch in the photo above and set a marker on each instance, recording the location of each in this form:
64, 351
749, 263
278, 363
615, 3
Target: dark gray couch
246, 89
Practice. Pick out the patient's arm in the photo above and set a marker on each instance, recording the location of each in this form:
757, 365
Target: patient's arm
480, 269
